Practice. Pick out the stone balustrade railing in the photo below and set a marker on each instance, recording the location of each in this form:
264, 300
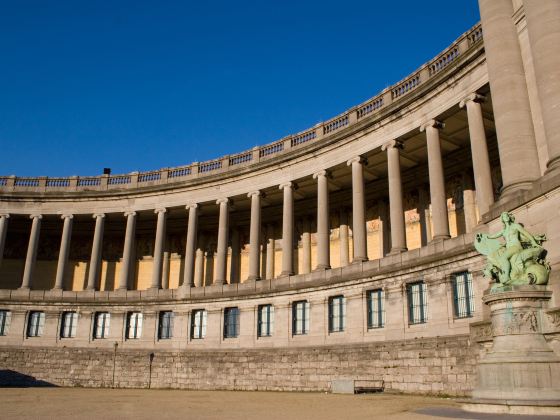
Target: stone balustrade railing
315, 134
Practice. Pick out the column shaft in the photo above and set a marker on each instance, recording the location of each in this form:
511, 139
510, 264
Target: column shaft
3, 231
31, 256
129, 240
190, 249
479, 151
358, 210
96, 252
64, 251
158, 249
288, 230
343, 238
306, 246
543, 26
270, 251
323, 225
199, 262
510, 99
221, 255
437, 181
396, 210
255, 237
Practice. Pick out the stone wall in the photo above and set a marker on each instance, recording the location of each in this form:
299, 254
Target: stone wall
444, 366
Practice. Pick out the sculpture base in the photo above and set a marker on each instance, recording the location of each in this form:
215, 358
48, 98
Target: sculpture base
521, 372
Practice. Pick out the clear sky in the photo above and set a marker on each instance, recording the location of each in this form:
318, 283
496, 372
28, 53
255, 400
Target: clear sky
139, 85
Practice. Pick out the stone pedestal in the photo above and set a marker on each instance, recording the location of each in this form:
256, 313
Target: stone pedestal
521, 373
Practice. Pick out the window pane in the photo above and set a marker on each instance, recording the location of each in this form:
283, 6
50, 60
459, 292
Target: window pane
5, 318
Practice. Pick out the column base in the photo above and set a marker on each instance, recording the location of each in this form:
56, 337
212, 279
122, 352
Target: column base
218, 283
553, 166
438, 238
516, 188
395, 251
322, 267
286, 274
24, 288
358, 260
252, 278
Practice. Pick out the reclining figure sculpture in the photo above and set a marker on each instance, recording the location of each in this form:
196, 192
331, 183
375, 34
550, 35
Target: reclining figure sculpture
520, 261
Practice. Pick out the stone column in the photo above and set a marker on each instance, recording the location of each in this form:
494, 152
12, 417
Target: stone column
437, 181
221, 255
479, 151
255, 236
64, 251
158, 248
323, 226
543, 26
190, 248
358, 210
343, 238
96, 252
270, 245
129, 240
199, 262
396, 210
384, 230
234, 275
31, 256
3, 231
166, 264
510, 98
306, 246
288, 230
424, 214
469, 203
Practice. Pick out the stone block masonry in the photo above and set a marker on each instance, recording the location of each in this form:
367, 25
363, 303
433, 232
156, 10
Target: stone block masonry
439, 366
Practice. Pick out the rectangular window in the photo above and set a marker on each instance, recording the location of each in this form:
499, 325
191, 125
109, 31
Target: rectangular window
69, 323
165, 330
35, 324
5, 319
375, 308
265, 320
198, 323
417, 303
101, 326
300, 317
134, 325
463, 295
231, 322
337, 314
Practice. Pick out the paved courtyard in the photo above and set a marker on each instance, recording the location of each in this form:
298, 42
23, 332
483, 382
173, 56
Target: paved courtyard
79, 403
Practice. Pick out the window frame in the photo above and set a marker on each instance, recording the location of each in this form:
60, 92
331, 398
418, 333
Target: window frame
305, 319
35, 327
134, 325
269, 322
231, 322
198, 327
104, 328
379, 314
466, 295
5, 321
68, 330
165, 332
337, 314
421, 303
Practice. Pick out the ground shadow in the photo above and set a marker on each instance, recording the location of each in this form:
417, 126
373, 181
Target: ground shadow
11, 378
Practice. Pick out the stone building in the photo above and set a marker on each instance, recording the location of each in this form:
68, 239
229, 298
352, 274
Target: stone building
340, 252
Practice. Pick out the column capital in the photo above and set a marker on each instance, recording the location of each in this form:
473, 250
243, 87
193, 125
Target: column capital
288, 184
98, 215
392, 144
192, 206
223, 200
323, 172
5, 215
66, 216
160, 210
255, 193
432, 123
36, 216
130, 213
357, 159
474, 97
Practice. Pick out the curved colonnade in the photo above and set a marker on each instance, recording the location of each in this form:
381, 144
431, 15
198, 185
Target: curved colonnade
358, 230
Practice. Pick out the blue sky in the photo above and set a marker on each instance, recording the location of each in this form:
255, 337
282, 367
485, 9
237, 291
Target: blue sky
139, 85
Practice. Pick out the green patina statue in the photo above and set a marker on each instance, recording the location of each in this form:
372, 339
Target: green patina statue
521, 260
